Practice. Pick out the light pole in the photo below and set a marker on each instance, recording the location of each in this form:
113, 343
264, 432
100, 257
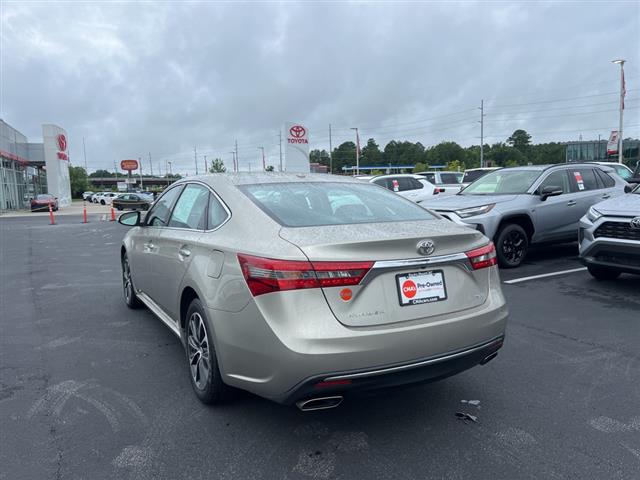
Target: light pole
622, 94
357, 150
170, 171
264, 166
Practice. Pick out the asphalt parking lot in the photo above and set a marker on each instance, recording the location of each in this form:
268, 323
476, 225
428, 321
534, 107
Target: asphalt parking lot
92, 390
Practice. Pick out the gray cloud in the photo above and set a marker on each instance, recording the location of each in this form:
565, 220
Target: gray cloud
133, 78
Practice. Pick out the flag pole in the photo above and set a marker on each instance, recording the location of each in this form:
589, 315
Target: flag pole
623, 91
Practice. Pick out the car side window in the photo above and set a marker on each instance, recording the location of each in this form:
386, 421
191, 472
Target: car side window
557, 179
449, 178
404, 184
159, 214
133, 197
431, 177
583, 179
417, 185
217, 213
382, 182
191, 207
606, 180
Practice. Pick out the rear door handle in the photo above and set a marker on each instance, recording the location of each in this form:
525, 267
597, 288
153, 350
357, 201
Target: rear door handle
184, 252
149, 246
571, 203
606, 195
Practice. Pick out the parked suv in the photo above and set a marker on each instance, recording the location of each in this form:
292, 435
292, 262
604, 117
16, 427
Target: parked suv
609, 237
448, 183
412, 187
520, 206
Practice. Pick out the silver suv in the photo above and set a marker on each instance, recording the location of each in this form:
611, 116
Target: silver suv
520, 206
610, 237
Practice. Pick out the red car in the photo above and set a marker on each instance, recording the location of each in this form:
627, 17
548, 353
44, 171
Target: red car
42, 202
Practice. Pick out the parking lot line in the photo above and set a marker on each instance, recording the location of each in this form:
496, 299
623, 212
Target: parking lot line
544, 275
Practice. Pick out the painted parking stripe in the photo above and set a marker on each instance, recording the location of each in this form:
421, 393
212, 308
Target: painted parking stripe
545, 275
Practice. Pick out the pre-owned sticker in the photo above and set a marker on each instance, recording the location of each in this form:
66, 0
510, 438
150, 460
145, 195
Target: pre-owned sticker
579, 179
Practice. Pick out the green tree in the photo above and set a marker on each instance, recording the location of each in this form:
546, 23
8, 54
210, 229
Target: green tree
371, 154
319, 156
501, 155
269, 168
520, 139
79, 182
444, 153
102, 173
344, 156
217, 166
455, 166
420, 167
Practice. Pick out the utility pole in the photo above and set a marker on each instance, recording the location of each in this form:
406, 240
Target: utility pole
357, 150
150, 164
170, 170
233, 156
280, 134
481, 133
330, 152
115, 167
206, 167
622, 94
195, 157
264, 166
84, 149
237, 158
140, 169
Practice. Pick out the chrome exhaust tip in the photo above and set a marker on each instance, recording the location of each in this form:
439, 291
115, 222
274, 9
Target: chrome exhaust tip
319, 403
488, 358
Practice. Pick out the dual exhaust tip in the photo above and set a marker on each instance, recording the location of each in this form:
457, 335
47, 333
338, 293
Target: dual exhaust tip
319, 403
325, 403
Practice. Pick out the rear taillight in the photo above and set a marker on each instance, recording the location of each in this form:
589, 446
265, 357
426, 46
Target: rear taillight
483, 257
266, 275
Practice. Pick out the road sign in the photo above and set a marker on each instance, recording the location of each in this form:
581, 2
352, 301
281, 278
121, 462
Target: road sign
129, 165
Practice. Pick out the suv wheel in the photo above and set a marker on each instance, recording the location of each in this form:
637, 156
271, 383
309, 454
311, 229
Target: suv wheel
130, 297
511, 245
201, 357
603, 273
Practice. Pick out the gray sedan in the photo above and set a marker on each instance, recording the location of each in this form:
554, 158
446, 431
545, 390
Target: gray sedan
306, 288
610, 237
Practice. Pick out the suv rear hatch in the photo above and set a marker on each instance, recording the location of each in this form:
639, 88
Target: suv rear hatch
402, 284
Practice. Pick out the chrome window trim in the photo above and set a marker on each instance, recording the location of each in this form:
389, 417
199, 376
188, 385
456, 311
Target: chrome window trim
211, 191
383, 266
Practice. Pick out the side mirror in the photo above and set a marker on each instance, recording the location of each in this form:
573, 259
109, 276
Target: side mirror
550, 191
130, 219
628, 188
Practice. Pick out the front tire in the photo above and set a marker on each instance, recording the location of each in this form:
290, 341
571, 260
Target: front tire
202, 361
512, 244
603, 273
130, 297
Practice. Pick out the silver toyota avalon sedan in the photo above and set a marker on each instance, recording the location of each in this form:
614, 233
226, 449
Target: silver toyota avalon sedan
306, 288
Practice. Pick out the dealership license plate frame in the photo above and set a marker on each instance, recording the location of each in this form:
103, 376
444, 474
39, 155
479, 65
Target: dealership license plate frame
412, 275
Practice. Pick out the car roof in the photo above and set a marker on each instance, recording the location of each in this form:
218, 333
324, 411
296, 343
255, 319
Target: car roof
245, 178
481, 168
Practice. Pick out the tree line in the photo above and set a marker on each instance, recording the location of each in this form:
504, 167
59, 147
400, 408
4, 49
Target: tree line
516, 150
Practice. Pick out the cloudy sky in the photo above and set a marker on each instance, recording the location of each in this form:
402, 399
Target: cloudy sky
163, 77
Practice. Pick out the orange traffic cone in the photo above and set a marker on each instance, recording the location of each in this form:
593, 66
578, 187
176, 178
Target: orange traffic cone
53, 222
113, 215
84, 213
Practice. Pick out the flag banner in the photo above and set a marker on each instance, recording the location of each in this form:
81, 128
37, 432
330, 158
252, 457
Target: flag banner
612, 144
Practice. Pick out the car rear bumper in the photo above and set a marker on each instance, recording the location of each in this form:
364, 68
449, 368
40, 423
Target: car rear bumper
419, 371
278, 357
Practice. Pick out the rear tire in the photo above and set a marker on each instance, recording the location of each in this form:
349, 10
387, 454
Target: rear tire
512, 244
603, 273
130, 297
202, 360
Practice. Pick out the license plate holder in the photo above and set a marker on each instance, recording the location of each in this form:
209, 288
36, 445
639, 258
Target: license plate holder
418, 288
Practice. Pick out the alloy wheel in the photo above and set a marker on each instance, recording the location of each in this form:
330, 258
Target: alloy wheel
513, 247
198, 351
126, 280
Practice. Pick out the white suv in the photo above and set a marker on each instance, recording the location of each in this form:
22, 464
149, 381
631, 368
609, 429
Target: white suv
413, 187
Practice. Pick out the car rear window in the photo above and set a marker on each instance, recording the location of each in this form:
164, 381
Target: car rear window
310, 204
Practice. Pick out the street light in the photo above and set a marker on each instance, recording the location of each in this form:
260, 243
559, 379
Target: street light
357, 150
622, 94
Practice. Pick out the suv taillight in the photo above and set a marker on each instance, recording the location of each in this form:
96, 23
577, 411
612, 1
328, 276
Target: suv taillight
266, 275
483, 257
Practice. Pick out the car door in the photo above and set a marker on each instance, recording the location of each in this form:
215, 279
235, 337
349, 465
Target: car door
555, 215
178, 245
590, 190
145, 241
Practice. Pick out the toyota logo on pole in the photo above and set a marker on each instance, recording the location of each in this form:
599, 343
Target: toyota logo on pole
62, 142
635, 223
297, 131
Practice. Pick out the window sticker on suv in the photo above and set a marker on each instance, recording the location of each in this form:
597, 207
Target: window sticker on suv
579, 179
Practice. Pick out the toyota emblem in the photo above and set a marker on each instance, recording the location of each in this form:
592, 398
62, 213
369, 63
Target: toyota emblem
62, 142
297, 131
635, 222
425, 247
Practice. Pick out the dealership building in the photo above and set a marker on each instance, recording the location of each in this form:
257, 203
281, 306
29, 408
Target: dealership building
28, 169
